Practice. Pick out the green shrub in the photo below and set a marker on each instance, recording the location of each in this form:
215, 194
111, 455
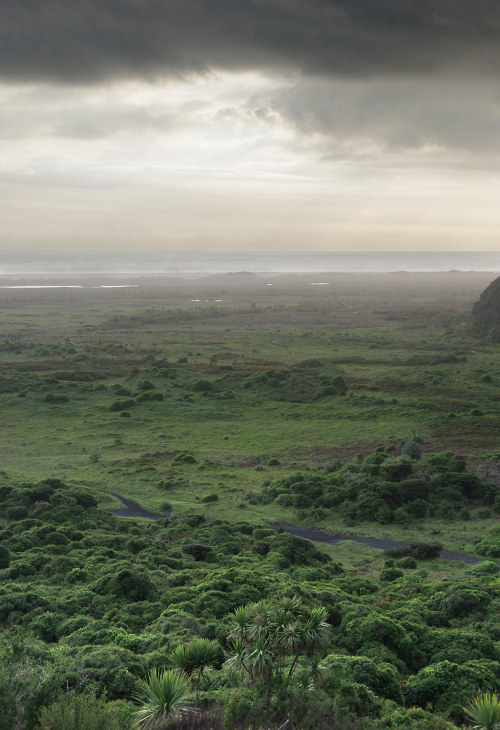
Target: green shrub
145, 385
448, 686
56, 398
110, 669
339, 383
394, 470
210, 498
373, 460
184, 458
301, 501
490, 544
165, 484
121, 405
27, 681
279, 561
425, 550
197, 551
84, 499
412, 449
462, 601
417, 508
47, 625
407, 563
284, 500
496, 503
4, 557
137, 545
485, 567
457, 645
380, 677
390, 574
400, 516
380, 629
120, 390
356, 700
415, 487
21, 569
149, 396
417, 550
79, 357
307, 708
16, 513
202, 386
56, 538
261, 532
415, 718
78, 712
295, 549
355, 585
130, 584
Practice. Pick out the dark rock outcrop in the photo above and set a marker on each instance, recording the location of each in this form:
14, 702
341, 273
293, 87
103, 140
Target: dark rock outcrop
486, 312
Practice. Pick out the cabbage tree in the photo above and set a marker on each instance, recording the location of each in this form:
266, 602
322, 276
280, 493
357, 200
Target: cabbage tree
484, 712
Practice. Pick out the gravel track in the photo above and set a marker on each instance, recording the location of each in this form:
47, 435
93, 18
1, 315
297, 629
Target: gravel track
374, 542
134, 509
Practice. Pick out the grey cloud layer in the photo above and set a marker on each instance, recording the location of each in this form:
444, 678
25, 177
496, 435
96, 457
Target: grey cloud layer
332, 119
356, 117
56, 112
89, 41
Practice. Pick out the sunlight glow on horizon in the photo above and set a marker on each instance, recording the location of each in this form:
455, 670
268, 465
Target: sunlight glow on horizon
212, 164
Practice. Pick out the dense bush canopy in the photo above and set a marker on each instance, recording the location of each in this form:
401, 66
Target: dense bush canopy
90, 603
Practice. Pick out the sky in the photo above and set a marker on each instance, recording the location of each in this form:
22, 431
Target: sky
249, 125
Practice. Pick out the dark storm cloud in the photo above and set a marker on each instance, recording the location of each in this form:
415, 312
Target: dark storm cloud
88, 41
408, 114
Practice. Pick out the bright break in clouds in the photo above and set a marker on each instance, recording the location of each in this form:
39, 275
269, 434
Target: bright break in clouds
252, 125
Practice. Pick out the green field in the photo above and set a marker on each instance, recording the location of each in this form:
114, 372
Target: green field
244, 367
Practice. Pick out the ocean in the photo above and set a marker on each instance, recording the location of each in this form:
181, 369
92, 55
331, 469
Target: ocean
203, 263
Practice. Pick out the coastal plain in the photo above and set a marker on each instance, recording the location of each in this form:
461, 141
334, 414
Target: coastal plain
170, 391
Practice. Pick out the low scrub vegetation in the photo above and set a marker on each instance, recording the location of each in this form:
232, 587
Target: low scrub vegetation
222, 417
99, 613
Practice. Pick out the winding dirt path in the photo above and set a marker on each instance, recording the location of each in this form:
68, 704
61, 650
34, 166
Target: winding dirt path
374, 542
134, 509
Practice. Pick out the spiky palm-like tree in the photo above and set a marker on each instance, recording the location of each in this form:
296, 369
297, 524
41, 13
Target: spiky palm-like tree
313, 635
484, 711
195, 658
261, 659
315, 666
270, 637
239, 658
241, 620
161, 695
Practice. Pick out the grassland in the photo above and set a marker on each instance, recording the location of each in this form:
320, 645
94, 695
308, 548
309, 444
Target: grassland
243, 366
